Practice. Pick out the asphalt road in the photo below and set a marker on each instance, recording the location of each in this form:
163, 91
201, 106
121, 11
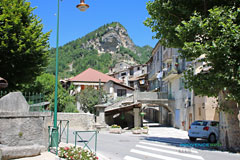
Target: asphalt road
160, 143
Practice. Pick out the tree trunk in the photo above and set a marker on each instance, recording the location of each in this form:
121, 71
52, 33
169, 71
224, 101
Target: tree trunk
229, 125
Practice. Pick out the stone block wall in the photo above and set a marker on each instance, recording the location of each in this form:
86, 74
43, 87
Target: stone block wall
24, 129
78, 121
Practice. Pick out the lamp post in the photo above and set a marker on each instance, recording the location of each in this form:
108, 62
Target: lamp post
82, 7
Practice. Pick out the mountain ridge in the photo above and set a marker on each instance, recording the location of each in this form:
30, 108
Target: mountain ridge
99, 49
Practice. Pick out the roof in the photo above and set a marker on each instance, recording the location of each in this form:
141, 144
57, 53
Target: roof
125, 86
138, 78
92, 75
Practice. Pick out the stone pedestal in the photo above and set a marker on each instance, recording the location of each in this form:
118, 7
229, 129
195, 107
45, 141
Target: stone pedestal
137, 117
100, 116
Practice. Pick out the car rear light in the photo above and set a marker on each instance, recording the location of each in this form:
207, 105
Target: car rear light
206, 128
189, 127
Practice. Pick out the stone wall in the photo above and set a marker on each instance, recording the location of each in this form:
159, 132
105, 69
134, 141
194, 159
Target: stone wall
78, 121
24, 129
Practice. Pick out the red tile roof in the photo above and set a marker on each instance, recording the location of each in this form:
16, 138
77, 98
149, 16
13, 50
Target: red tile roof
91, 75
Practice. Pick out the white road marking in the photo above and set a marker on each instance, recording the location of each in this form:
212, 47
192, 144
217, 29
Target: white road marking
171, 152
102, 157
153, 155
131, 158
169, 147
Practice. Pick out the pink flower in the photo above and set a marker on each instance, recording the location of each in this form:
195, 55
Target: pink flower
66, 148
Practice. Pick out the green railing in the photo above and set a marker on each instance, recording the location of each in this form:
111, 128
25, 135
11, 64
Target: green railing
52, 141
63, 133
63, 126
35, 100
86, 142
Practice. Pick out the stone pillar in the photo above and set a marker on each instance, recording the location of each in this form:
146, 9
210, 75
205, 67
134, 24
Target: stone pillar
137, 117
160, 115
100, 114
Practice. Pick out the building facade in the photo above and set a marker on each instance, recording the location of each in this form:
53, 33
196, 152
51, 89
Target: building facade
166, 74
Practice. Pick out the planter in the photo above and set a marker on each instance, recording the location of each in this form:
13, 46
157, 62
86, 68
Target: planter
136, 131
145, 131
115, 130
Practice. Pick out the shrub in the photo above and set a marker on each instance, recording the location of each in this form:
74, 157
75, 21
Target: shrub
136, 128
76, 153
115, 126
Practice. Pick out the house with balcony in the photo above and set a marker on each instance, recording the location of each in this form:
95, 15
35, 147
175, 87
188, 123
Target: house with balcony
133, 76
178, 96
95, 79
187, 106
154, 67
156, 110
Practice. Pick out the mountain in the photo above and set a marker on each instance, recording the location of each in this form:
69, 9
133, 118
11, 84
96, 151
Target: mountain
100, 49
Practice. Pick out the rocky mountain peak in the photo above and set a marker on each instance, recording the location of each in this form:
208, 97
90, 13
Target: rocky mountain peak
109, 38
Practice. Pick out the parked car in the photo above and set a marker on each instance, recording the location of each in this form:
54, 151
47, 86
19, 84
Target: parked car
204, 129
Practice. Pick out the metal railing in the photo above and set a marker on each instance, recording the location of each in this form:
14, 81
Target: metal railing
86, 142
63, 126
35, 100
63, 129
51, 140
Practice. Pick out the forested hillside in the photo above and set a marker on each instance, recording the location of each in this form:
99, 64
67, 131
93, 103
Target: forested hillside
100, 50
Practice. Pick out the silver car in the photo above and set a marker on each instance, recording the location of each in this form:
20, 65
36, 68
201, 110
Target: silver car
204, 129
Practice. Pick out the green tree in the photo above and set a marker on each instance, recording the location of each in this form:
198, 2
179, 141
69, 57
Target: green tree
89, 97
23, 45
45, 84
166, 15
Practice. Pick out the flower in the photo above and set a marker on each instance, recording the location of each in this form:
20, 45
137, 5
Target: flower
66, 148
76, 153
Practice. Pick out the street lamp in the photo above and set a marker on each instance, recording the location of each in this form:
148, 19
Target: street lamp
82, 6
54, 139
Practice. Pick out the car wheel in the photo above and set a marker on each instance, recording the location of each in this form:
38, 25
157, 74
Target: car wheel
212, 138
192, 139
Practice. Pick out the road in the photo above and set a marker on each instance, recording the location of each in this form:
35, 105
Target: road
161, 143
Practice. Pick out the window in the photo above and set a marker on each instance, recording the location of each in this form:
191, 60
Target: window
131, 84
123, 74
131, 71
181, 83
199, 111
121, 92
215, 124
199, 123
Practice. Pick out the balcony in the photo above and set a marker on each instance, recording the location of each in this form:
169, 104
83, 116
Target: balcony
171, 96
167, 55
170, 74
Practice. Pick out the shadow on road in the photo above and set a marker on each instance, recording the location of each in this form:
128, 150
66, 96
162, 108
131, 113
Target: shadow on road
178, 142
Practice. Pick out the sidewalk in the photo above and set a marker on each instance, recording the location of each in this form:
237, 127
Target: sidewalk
51, 156
160, 134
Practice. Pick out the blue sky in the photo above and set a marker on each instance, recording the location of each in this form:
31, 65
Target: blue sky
75, 24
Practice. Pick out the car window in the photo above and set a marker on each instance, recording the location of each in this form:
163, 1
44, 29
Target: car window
199, 123
215, 124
